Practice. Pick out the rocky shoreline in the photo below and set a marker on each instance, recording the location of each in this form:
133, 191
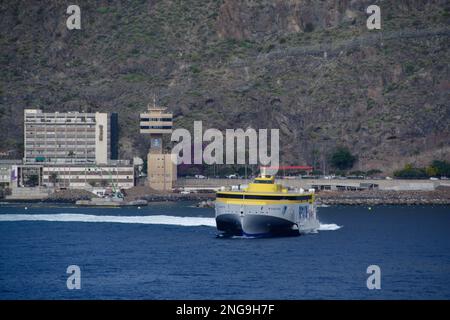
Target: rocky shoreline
69, 196
440, 196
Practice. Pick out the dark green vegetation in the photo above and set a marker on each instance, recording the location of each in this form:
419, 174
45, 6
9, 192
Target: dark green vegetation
439, 168
435, 169
342, 159
33, 180
309, 68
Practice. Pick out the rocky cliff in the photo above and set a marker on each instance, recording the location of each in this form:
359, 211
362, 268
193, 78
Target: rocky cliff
310, 68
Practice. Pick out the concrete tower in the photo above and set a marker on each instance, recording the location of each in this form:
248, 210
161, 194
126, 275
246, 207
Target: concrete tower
161, 170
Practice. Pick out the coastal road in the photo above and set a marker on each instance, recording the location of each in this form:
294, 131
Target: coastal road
397, 185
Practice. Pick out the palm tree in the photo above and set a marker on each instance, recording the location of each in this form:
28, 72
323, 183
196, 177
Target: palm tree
53, 178
71, 154
33, 180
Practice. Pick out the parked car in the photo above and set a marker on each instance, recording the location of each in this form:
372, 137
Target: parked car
199, 176
232, 176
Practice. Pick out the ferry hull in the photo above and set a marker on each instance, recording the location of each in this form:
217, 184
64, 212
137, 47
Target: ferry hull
255, 225
269, 220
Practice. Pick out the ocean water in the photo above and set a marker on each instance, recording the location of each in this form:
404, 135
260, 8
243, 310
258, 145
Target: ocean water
170, 251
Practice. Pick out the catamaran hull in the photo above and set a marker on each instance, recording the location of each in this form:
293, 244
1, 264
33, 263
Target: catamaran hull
270, 220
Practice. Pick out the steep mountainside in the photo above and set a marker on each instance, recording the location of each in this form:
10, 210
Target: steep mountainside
308, 67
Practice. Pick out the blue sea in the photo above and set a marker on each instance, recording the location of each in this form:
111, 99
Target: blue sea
171, 251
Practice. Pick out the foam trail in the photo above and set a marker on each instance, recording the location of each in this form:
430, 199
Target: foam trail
69, 217
329, 227
159, 219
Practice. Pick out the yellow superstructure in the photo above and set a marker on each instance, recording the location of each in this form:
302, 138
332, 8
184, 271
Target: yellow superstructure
263, 191
265, 184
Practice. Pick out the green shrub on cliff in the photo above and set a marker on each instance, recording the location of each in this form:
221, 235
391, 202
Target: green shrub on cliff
342, 159
436, 169
441, 168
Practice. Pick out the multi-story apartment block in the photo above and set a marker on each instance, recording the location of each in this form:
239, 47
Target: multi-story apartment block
69, 137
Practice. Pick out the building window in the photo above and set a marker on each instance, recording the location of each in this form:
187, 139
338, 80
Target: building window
101, 133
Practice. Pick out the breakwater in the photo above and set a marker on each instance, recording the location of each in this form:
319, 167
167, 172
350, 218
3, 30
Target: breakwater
440, 196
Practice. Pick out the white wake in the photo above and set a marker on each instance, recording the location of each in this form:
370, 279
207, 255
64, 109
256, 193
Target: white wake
70, 217
158, 219
329, 227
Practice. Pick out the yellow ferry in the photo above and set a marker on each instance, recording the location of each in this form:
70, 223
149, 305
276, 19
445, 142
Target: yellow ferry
265, 208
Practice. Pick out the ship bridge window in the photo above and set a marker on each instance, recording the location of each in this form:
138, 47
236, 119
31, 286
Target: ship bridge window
263, 181
264, 197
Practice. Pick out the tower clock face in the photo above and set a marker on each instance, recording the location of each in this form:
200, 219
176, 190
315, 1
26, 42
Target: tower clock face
156, 143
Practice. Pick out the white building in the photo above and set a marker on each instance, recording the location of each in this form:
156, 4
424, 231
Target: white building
69, 137
73, 150
118, 174
6, 171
